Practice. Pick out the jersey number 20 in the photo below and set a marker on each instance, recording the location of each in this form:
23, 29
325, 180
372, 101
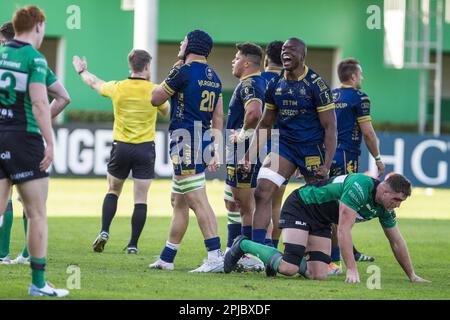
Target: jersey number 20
208, 98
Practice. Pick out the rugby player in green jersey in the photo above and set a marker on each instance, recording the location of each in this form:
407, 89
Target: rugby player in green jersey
25, 124
306, 219
60, 101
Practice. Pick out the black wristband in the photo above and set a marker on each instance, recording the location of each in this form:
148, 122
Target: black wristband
80, 72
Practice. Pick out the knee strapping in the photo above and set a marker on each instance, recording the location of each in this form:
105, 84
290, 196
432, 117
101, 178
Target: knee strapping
293, 253
318, 256
266, 173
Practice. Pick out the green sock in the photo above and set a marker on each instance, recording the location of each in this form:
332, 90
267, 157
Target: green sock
5, 230
38, 271
265, 253
25, 253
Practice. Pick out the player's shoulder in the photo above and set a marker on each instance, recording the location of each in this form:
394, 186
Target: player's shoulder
361, 95
361, 181
316, 80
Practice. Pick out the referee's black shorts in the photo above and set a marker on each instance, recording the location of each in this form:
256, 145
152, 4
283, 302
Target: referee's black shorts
295, 214
137, 158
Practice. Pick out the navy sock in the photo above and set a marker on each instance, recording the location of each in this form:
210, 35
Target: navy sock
335, 254
108, 211
247, 231
212, 244
268, 242
137, 223
168, 254
259, 235
275, 243
355, 251
234, 230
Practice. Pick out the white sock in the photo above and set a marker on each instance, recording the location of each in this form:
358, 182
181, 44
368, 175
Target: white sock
173, 246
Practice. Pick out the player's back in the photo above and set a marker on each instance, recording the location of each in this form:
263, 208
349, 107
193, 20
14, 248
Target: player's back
134, 115
195, 90
20, 64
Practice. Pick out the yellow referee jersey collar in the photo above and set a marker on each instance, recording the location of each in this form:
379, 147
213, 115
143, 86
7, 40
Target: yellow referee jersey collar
250, 75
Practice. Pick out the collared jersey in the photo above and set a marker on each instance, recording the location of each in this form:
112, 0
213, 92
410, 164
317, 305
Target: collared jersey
250, 88
20, 65
195, 90
352, 108
134, 115
299, 103
356, 191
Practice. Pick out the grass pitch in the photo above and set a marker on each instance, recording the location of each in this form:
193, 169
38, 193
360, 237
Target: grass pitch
74, 210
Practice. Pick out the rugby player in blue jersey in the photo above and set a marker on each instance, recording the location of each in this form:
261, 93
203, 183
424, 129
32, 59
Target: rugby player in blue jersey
194, 90
272, 68
353, 123
244, 113
302, 101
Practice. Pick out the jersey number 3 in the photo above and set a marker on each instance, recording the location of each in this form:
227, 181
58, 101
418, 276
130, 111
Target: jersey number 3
7, 93
208, 98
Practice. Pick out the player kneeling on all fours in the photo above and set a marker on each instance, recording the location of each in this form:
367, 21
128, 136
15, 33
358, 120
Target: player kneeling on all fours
306, 220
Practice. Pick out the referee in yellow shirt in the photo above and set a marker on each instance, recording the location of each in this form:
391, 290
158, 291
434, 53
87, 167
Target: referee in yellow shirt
133, 147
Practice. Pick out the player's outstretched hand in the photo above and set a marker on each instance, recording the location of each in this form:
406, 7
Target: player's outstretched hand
416, 278
79, 64
352, 276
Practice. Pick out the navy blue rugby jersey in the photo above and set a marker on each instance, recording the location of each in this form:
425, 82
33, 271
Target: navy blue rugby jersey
299, 103
352, 108
251, 87
195, 89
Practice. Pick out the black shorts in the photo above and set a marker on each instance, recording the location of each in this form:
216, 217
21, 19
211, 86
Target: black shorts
20, 156
139, 158
296, 214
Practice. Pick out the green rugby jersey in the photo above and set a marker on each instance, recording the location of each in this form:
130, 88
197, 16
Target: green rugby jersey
20, 65
357, 191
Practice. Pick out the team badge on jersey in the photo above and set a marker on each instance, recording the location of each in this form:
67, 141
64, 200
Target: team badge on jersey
209, 73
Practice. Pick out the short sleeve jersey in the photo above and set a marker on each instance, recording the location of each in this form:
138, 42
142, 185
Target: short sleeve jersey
269, 75
356, 191
299, 103
20, 65
134, 115
195, 90
250, 88
352, 108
